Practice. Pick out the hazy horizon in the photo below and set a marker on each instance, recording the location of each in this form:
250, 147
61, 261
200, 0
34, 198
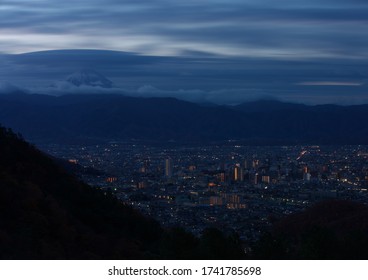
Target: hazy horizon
196, 78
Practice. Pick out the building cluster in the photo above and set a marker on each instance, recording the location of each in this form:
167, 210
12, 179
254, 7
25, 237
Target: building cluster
240, 189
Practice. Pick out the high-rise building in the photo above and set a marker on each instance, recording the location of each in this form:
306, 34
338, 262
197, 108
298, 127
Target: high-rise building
255, 163
238, 173
307, 176
221, 177
168, 168
256, 175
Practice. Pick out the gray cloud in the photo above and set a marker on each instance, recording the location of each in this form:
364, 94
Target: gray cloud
221, 51
247, 28
62, 88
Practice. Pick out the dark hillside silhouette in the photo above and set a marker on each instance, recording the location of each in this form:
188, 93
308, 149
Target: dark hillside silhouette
327, 230
46, 213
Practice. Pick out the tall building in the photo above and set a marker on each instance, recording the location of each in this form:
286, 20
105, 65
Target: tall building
255, 163
168, 168
266, 179
256, 179
238, 173
307, 176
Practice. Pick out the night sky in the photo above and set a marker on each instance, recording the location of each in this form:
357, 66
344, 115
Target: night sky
220, 51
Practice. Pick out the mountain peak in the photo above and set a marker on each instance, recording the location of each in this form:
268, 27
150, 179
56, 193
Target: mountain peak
8, 88
89, 77
269, 105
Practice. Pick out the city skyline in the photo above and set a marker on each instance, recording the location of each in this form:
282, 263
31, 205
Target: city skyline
180, 130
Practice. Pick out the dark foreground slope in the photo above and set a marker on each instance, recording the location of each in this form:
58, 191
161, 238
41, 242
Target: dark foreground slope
47, 214
327, 230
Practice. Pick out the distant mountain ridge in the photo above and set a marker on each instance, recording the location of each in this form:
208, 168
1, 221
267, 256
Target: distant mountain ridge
190, 76
269, 106
8, 88
116, 117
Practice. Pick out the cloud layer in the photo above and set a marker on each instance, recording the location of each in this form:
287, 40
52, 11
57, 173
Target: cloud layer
286, 28
198, 78
219, 51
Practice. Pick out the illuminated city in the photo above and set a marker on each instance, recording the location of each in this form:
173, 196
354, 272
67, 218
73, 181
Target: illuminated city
184, 130
237, 188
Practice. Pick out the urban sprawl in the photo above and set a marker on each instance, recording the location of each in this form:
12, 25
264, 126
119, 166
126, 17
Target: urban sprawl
237, 188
